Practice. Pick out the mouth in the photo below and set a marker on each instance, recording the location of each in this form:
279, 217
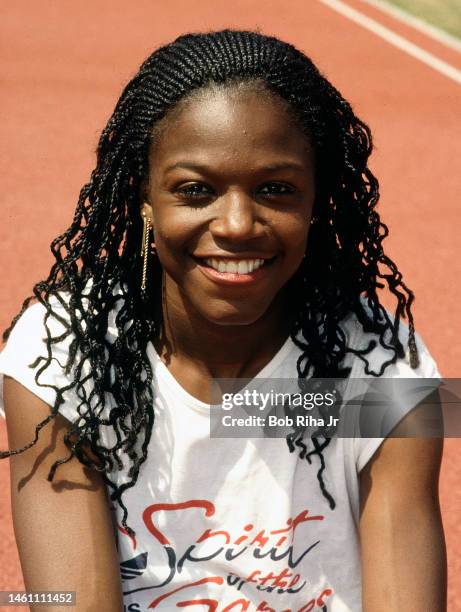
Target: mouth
226, 270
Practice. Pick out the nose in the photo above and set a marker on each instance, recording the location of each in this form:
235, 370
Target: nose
236, 218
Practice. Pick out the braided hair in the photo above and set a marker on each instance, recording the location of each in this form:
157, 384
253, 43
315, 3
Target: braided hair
100, 249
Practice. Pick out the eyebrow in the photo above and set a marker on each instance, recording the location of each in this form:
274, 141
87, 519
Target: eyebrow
288, 165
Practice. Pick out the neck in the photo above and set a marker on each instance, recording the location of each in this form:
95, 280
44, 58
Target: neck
220, 351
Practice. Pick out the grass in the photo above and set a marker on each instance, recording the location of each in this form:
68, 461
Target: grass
445, 14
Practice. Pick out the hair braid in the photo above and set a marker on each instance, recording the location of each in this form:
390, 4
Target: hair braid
99, 251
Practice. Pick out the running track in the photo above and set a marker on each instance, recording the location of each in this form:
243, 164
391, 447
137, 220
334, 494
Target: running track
64, 64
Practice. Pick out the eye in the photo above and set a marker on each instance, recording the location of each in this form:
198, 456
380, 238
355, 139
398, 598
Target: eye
276, 189
195, 191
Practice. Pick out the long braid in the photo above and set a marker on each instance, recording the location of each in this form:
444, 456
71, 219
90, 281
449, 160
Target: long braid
344, 262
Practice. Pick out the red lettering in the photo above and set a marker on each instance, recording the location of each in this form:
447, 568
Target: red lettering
209, 534
213, 579
303, 518
242, 538
261, 539
308, 607
211, 603
295, 580
278, 580
284, 530
264, 579
280, 542
193, 503
325, 593
263, 607
251, 577
244, 603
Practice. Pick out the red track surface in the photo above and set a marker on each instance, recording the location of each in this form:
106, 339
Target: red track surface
64, 64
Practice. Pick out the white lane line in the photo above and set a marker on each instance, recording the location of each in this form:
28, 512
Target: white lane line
418, 24
395, 39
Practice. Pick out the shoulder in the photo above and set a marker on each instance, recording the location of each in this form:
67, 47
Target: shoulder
37, 351
29, 334
372, 422
53, 319
30, 346
380, 360
42, 328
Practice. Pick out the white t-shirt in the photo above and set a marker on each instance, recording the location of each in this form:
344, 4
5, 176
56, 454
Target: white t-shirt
228, 524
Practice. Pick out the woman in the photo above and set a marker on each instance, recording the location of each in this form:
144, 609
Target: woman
228, 231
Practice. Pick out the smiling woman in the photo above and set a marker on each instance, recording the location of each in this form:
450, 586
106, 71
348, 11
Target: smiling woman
228, 230
231, 186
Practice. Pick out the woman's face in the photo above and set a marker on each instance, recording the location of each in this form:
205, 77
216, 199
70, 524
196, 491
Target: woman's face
230, 197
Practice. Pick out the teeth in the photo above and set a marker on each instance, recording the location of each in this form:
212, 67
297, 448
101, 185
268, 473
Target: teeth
235, 267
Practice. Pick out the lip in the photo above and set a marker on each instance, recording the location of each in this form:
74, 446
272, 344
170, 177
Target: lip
235, 256
233, 279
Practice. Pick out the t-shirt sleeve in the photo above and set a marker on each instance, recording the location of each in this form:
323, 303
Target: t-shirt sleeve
27, 342
407, 395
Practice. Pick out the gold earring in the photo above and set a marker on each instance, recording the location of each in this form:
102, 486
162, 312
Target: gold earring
144, 248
